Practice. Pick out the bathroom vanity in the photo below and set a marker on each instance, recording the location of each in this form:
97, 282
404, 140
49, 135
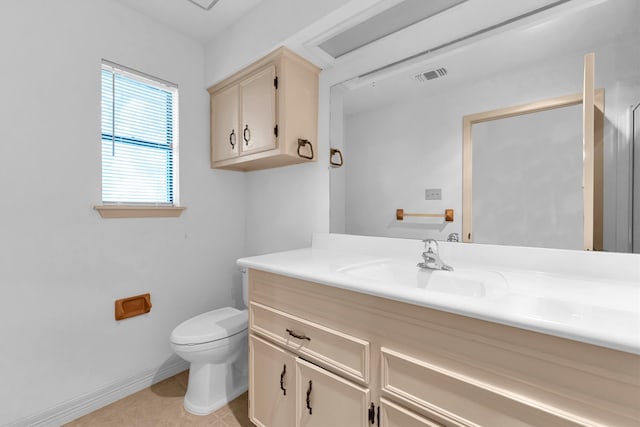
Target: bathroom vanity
346, 333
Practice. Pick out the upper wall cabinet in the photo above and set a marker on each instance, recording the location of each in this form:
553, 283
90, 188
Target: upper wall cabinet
266, 115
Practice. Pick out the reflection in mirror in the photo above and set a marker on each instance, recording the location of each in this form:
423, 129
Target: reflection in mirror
634, 229
523, 175
527, 180
401, 133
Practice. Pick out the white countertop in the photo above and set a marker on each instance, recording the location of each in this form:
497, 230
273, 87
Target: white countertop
590, 308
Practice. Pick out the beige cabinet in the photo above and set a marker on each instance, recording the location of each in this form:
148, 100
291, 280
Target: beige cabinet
325, 399
273, 384
224, 124
454, 399
392, 415
424, 367
343, 353
258, 111
266, 115
287, 389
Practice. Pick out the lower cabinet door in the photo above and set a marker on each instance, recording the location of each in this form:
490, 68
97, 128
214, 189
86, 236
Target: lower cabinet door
393, 415
272, 385
327, 400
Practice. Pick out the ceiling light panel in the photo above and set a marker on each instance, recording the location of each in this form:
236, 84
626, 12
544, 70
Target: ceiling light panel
387, 22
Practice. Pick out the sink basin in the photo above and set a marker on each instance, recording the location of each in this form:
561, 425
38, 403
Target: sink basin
461, 282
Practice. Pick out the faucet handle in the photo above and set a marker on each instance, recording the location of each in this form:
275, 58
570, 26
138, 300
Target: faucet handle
429, 245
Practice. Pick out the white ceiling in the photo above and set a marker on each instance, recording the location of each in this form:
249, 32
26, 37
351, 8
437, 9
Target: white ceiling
189, 19
570, 32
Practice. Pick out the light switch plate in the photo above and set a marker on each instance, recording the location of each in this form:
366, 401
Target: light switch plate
433, 194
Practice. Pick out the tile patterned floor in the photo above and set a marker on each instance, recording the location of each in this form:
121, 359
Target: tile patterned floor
161, 406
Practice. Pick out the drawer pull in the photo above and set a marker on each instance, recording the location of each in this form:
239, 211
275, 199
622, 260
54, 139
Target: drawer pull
309, 398
246, 135
300, 337
232, 139
282, 387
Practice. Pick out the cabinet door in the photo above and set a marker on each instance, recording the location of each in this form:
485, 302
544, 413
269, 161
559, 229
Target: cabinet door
325, 399
272, 392
258, 95
225, 135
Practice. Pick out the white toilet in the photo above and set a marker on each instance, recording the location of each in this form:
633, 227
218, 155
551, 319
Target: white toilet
212, 342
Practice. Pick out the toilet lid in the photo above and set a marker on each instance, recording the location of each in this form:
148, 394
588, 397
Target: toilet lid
210, 326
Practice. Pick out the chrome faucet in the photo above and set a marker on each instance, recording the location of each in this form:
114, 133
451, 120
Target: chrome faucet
431, 257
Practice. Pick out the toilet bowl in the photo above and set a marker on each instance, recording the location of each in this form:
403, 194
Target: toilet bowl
215, 344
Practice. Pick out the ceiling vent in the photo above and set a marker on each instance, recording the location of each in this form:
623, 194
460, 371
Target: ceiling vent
430, 75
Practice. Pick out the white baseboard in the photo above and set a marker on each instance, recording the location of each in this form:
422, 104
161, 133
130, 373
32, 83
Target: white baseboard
83, 405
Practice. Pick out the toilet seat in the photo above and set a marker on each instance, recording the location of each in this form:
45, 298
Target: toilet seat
211, 326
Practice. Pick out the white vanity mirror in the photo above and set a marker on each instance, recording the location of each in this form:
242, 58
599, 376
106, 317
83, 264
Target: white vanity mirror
400, 132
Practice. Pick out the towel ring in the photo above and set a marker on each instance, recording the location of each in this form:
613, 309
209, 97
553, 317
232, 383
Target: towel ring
332, 152
302, 143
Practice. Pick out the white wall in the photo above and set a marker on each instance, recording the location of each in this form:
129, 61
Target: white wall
266, 27
284, 205
397, 151
61, 265
337, 175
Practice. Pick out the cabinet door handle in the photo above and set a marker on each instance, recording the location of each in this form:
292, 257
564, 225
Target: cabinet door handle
232, 138
309, 398
300, 337
246, 134
282, 387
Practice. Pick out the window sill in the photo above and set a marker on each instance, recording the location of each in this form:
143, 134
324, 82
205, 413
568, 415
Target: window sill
134, 211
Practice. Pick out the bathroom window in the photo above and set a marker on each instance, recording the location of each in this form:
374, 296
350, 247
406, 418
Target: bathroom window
139, 141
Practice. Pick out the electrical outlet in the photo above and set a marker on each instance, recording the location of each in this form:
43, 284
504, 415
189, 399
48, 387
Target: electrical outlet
433, 194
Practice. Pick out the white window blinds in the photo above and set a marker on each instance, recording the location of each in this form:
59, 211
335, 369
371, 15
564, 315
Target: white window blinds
139, 138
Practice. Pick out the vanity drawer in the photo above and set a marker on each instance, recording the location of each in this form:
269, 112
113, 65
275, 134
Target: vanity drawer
327, 347
456, 400
393, 415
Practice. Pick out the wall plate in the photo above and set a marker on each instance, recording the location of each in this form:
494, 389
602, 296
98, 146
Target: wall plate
433, 194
